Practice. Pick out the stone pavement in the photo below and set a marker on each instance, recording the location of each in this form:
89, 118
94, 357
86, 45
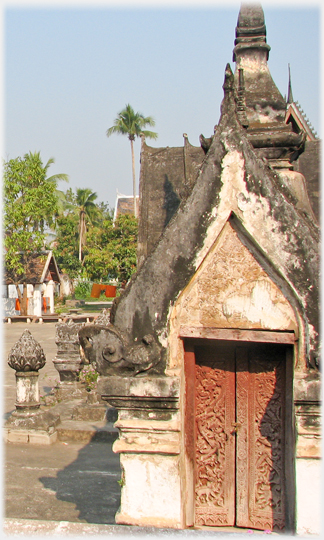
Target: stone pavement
69, 487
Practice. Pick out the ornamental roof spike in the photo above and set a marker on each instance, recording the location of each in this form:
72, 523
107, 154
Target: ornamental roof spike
290, 98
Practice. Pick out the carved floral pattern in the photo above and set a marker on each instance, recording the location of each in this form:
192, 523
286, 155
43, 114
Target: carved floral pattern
231, 290
269, 443
250, 397
213, 451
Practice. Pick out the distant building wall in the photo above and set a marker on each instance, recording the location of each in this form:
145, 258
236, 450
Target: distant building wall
309, 164
166, 179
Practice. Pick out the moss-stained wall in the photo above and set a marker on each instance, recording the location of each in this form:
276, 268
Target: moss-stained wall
309, 164
167, 177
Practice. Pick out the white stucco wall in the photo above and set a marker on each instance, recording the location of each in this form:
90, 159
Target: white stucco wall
151, 494
309, 500
9, 307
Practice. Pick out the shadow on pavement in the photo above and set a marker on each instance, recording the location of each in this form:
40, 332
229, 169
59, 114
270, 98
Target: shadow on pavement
90, 482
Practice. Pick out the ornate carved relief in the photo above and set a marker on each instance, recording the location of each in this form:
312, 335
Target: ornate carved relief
240, 437
260, 400
26, 354
107, 349
234, 290
215, 446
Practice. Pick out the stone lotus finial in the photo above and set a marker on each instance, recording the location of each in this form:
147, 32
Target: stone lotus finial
103, 318
27, 354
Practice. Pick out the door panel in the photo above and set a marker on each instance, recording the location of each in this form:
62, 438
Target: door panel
240, 415
215, 447
260, 406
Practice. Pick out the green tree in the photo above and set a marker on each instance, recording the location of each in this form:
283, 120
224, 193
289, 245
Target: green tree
54, 179
30, 207
111, 250
132, 124
66, 245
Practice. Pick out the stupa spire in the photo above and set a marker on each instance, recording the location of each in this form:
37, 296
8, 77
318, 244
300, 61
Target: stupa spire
250, 30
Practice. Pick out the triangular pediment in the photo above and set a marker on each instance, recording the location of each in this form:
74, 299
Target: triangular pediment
232, 290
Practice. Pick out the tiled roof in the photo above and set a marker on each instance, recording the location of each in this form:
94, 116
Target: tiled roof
125, 205
295, 113
42, 268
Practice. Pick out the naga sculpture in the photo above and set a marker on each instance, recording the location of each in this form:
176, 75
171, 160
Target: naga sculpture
111, 354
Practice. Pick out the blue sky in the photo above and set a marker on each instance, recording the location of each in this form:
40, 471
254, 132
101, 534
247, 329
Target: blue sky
68, 71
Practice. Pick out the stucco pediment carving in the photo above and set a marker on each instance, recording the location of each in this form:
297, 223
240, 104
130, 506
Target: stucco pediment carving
107, 349
231, 289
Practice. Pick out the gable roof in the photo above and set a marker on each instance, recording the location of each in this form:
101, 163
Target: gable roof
42, 268
233, 185
295, 116
125, 205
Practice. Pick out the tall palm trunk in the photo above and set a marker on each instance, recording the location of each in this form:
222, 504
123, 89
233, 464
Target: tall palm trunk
134, 177
82, 226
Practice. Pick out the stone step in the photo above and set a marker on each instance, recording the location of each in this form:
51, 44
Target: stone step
74, 430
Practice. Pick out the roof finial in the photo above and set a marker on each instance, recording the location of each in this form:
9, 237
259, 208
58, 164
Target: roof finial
290, 98
250, 30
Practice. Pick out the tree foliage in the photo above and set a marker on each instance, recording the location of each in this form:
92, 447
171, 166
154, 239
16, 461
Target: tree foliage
82, 204
66, 245
132, 124
111, 250
33, 206
30, 207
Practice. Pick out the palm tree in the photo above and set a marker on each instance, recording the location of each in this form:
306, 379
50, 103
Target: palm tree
84, 206
87, 209
131, 123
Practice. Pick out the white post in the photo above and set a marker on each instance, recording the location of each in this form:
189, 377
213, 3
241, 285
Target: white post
37, 296
50, 293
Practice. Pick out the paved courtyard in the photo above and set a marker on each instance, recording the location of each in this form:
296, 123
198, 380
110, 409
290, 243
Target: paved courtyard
67, 488
65, 481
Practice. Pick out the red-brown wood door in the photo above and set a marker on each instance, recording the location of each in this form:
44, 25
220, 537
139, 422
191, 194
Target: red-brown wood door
240, 435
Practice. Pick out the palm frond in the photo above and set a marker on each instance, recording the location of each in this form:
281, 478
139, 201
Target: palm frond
131, 123
150, 134
57, 177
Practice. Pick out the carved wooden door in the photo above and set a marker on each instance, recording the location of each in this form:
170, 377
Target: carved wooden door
240, 435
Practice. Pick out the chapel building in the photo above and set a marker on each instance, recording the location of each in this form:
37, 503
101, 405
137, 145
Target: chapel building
212, 356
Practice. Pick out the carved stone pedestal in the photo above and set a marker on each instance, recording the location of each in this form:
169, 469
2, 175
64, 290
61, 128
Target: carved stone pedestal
37, 427
68, 361
65, 391
29, 423
149, 447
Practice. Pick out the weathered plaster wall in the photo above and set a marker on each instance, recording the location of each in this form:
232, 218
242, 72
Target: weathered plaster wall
151, 494
309, 164
167, 177
264, 102
309, 496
